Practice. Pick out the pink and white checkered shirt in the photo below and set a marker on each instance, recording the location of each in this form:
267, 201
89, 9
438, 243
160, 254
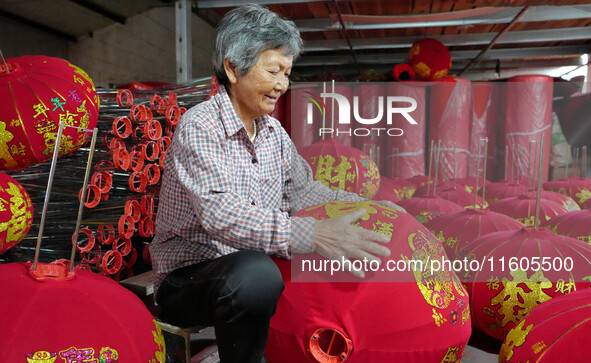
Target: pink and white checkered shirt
221, 193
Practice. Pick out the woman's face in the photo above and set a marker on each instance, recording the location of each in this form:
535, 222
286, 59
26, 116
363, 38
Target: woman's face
256, 93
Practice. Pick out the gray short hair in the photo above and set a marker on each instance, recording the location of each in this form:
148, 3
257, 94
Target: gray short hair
245, 32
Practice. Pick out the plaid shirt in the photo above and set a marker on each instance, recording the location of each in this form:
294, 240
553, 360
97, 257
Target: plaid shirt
220, 193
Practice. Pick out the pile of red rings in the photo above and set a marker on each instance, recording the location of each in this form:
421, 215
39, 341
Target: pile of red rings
136, 146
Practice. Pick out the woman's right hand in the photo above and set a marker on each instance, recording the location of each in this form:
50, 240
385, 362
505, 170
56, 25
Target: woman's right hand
335, 239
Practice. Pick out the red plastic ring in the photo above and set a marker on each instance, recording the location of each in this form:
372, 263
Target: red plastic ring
116, 144
154, 147
93, 196
172, 99
122, 127
103, 180
128, 98
109, 231
164, 143
91, 240
153, 130
132, 208
121, 159
126, 226
112, 262
173, 115
156, 103
147, 204
137, 160
123, 246
161, 160
146, 226
138, 181
152, 172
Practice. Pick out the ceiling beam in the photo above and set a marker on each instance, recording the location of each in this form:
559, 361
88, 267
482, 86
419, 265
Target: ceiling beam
402, 57
485, 69
450, 40
535, 14
38, 26
495, 39
209, 4
89, 5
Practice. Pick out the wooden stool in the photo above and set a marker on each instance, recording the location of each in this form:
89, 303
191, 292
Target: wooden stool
177, 339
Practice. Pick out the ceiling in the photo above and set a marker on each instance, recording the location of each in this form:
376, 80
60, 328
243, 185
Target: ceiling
345, 38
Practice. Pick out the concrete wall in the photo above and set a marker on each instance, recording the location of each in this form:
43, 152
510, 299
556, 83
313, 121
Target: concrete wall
142, 49
17, 39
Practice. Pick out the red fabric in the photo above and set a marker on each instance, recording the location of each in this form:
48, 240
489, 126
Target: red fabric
430, 59
426, 208
455, 230
38, 93
575, 187
484, 122
389, 190
528, 114
385, 321
500, 299
16, 214
501, 190
462, 197
552, 332
373, 145
523, 208
342, 167
574, 224
89, 313
405, 154
449, 121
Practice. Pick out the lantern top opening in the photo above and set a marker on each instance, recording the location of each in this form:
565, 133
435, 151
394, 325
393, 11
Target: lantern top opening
51, 271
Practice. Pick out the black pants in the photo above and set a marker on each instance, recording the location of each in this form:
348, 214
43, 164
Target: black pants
236, 294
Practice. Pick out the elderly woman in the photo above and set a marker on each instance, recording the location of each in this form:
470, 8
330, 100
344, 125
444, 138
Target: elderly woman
232, 181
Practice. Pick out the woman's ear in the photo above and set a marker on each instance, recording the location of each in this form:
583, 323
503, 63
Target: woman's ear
231, 72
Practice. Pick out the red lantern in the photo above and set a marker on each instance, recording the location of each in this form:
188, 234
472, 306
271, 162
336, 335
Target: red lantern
430, 59
456, 230
426, 208
575, 187
420, 318
36, 93
343, 167
552, 332
388, 190
523, 208
16, 212
521, 269
574, 224
51, 314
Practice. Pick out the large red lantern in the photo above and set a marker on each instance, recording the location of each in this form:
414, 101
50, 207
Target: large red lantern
36, 93
523, 208
50, 315
457, 229
426, 208
343, 167
16, 212
402, 316
520, 270
430, 59
554, 331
